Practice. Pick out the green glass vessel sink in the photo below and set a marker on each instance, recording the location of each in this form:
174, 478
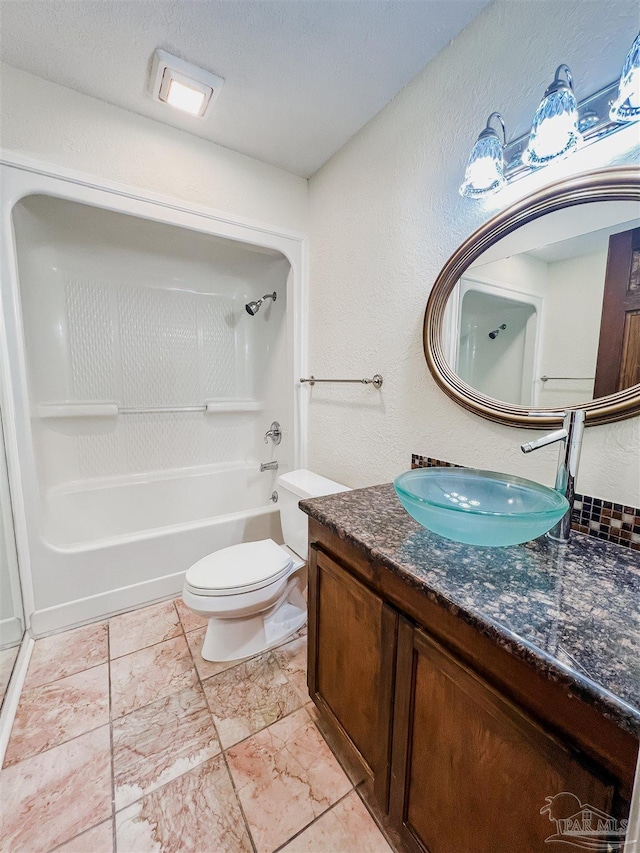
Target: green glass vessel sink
479, 507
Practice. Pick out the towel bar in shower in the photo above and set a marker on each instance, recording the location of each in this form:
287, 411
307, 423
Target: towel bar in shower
108, 409
216, 406
376, 381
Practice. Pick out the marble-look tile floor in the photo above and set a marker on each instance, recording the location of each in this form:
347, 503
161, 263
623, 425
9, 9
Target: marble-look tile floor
127, 741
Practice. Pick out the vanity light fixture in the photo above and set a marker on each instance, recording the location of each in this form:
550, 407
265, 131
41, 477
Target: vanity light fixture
554, 132
484, 174
182, 85
560, 127
626, 107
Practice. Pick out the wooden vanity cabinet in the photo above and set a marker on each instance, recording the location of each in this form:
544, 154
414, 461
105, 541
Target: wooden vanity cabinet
458, 743
352, 652
471, 771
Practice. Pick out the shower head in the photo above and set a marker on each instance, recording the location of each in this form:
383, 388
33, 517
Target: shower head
493, 335
253, 307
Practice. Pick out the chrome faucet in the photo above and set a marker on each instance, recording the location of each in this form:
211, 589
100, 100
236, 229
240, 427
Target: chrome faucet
268, 466
568, 460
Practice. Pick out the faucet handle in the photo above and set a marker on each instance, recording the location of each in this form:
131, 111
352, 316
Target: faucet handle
274, 433
550, 438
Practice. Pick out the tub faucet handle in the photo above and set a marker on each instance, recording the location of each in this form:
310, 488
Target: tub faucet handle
274, 433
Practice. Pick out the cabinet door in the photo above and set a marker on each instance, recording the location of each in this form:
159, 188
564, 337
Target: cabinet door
471, 772
352, 650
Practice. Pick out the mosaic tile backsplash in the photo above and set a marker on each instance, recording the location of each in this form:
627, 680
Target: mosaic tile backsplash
605, 520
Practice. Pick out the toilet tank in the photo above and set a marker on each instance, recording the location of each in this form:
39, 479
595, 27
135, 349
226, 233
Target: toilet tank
292, 488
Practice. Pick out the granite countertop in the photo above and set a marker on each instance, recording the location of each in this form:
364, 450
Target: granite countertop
571, 611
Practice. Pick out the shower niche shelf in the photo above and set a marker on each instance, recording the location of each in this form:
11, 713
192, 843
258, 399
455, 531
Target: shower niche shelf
111, 409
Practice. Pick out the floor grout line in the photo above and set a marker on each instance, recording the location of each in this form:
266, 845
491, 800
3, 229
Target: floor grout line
315, 820
224, 757
71, 739
199, 764
262, 728
79, 835
55, 746
152, 645
62, 677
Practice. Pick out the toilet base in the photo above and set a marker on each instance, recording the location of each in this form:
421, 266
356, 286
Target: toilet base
235, 638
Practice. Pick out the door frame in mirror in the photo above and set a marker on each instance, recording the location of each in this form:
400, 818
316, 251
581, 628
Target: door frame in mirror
611, 184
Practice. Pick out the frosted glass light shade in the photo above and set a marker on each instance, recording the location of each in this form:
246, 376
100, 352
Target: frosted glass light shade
554, 132
626, 107
484, 174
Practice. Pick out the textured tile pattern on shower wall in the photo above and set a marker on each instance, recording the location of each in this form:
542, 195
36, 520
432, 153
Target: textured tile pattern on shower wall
219, 348
91, 339
151, 347
158, 346
605, 520
154, 442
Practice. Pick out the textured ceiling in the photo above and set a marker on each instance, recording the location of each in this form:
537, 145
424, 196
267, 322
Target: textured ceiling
301, 76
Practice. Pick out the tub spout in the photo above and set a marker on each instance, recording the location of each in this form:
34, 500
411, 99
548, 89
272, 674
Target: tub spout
268, 466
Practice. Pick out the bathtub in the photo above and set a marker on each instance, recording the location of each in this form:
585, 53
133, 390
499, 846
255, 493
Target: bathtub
149, 529
117, 300
113, 510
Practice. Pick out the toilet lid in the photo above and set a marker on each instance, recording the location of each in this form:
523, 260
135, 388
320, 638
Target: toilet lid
239, 568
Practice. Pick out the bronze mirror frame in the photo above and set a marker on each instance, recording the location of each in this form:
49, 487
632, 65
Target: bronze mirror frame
611, 184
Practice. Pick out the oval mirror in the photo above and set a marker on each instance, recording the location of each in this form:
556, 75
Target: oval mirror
538, 311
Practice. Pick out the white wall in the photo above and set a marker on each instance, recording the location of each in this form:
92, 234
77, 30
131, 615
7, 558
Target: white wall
499, 367
59, 126
570, 348
385, 216
572, 290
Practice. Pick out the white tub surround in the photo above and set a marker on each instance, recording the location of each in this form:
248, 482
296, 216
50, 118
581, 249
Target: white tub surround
142, 389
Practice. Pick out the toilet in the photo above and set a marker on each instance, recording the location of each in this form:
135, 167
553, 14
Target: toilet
253, 594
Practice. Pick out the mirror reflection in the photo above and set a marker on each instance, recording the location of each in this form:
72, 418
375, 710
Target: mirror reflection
549, 316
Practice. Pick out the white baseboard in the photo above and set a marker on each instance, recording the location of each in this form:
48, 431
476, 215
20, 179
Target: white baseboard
95, 607
12, 696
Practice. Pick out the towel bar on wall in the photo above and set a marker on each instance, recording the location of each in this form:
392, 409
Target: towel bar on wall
376, 381
568, 378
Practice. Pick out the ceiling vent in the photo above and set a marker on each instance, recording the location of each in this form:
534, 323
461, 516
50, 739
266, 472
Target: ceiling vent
182, 85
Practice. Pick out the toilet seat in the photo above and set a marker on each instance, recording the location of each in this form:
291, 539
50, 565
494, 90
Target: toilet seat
238, 569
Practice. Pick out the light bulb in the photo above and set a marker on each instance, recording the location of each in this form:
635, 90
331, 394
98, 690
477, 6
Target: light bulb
626, 107
484, 174
554, 132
